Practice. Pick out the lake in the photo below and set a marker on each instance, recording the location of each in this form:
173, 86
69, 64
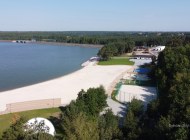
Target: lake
26, 64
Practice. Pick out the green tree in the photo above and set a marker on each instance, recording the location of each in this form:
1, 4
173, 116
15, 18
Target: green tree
39, 136
163, 127
15, 131
80, 118
170, 111
80, 127
131, 130
132, 123
93, 100
136, 106
180, 134
106, 52
108, 126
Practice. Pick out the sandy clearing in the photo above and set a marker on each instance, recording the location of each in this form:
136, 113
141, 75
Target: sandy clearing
66, 87
128, 92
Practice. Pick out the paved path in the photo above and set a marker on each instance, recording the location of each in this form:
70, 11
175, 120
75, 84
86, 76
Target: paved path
117, 108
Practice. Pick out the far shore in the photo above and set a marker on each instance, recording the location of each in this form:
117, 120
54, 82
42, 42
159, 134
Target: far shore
63, 44
70, 44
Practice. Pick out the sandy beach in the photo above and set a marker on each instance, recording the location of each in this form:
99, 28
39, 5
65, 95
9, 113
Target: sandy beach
66, 87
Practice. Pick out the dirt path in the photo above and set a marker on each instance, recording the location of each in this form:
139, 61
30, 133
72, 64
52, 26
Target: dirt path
113, 84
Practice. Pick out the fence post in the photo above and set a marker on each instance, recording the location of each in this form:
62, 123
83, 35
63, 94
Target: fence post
10, 108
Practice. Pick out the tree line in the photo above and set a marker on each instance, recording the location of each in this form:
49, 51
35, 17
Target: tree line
116, 49
170, 113
172, 39
126, 45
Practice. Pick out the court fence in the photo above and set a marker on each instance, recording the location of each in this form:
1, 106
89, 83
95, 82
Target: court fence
31, 105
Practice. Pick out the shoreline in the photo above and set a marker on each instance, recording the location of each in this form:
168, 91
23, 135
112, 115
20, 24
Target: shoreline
62, 44
70, 44
42, 81
65, 88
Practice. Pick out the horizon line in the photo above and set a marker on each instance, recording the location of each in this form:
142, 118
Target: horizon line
90, 31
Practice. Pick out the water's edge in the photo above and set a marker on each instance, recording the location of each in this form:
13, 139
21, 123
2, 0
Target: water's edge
27, 64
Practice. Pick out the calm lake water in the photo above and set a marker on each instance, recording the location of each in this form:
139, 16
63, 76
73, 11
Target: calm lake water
27, 64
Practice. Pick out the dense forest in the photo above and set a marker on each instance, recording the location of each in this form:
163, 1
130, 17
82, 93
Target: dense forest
167, 117
140, 38
116, 49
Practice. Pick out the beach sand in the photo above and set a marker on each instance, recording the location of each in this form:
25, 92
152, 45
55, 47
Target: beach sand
66, 87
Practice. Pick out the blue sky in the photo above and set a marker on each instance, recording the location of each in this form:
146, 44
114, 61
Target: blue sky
94, 15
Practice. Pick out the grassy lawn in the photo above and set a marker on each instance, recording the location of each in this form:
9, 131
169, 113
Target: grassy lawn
117, 61
5, 120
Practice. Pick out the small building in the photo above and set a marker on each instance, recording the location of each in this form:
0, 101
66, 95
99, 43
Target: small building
158, 48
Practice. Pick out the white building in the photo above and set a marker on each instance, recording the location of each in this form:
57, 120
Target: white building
40, 124
158, 48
